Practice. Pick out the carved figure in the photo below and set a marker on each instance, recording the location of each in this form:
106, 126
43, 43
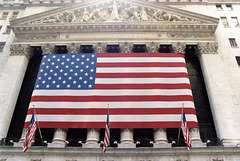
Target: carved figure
114, 14
158, 15
85, 16
66, 16
143, 15
95, 15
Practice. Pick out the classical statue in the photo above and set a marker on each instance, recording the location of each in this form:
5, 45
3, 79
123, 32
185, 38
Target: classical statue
85, 16
66, 16
143, 15
114, 14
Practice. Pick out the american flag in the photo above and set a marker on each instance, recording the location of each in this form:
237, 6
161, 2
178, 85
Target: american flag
146, 90
107, 135
30, 133
185, 130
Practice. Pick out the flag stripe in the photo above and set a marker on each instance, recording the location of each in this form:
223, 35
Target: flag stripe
141, 75
132, 124
116, 111
111, 98
140, 60
167, 55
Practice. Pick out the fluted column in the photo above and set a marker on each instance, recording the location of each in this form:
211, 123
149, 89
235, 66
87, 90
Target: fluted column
126, 47
152, 47
73, 48
59, 138
226, 119
100, 47
160, 138
126, 139
93, 136
179, 47
10, 84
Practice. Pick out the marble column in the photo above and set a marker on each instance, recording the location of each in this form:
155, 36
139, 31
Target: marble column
59, 138
160, 138
93, 136
10, 83
152, 47
126, 139
100, 47
126, 47
73, 48
226, 120
179, 47
195, 138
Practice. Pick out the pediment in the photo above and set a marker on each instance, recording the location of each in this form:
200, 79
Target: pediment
97, 14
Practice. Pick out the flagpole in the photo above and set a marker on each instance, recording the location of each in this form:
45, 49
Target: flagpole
38, 126
179, 130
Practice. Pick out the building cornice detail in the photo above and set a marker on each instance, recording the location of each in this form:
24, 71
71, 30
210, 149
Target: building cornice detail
208, 48
73, 47
178, 47
48, 48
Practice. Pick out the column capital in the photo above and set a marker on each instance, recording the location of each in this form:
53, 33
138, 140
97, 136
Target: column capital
73, 47
126, 47
208, 47
100, 47
179, 47
152, 47
21, 49
48, 48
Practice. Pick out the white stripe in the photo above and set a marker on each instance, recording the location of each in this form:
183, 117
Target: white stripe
140, 80
112, 92
156, 104
142, 70
140, 59
113, 118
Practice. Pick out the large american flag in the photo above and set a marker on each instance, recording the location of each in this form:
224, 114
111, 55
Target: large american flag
144, 90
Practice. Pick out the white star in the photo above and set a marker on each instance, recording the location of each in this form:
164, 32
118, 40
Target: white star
57, 67
73, 56
43, 82
87, 66
86, 74
62, 63
77, 59
79, 86
67, 66
47, 66
92, 63
87, 59
68, 59
75, 74
63, 56
58, 59
58, 86
49, 78
69, 78
83, 56
68, 85
81, 70
90, 78
45, 56
77, 66
51, 70
47, 86
64, 82
53, 82
71, 70
39, 78
61, 70
80, 78
65, 74
74, 82
53, 63
45, 74
37, 86
54, 56
85, 82
72, 63
48, 59
41, 70
55, 74
43, 63
89, 85
59, 78
91, 70
82, 63
93, 55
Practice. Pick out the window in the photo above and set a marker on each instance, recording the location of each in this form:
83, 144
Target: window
139, 48
224, 21
1, 46
8, 30
4, 15
233, 42
229, 7
238, 60
113, 49
219, 7
0, 28
235, 21
15, 14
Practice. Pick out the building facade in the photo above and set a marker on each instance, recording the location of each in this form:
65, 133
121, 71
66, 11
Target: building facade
206, 31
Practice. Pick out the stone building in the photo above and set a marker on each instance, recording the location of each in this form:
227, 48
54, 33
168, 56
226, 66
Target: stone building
206, 31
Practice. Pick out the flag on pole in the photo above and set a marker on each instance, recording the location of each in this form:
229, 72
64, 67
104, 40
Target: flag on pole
185, 130
107, 134
30, 133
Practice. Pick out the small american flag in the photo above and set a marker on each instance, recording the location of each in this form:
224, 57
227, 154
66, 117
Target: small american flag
185, 130
30, 133
107, 135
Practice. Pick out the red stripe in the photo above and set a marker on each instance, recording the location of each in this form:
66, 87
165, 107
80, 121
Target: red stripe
160, 124
143, 64
115, 111
142, 86
126, 98
141, 75
140, 55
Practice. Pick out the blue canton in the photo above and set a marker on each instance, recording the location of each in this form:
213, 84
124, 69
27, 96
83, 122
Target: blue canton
67, 71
